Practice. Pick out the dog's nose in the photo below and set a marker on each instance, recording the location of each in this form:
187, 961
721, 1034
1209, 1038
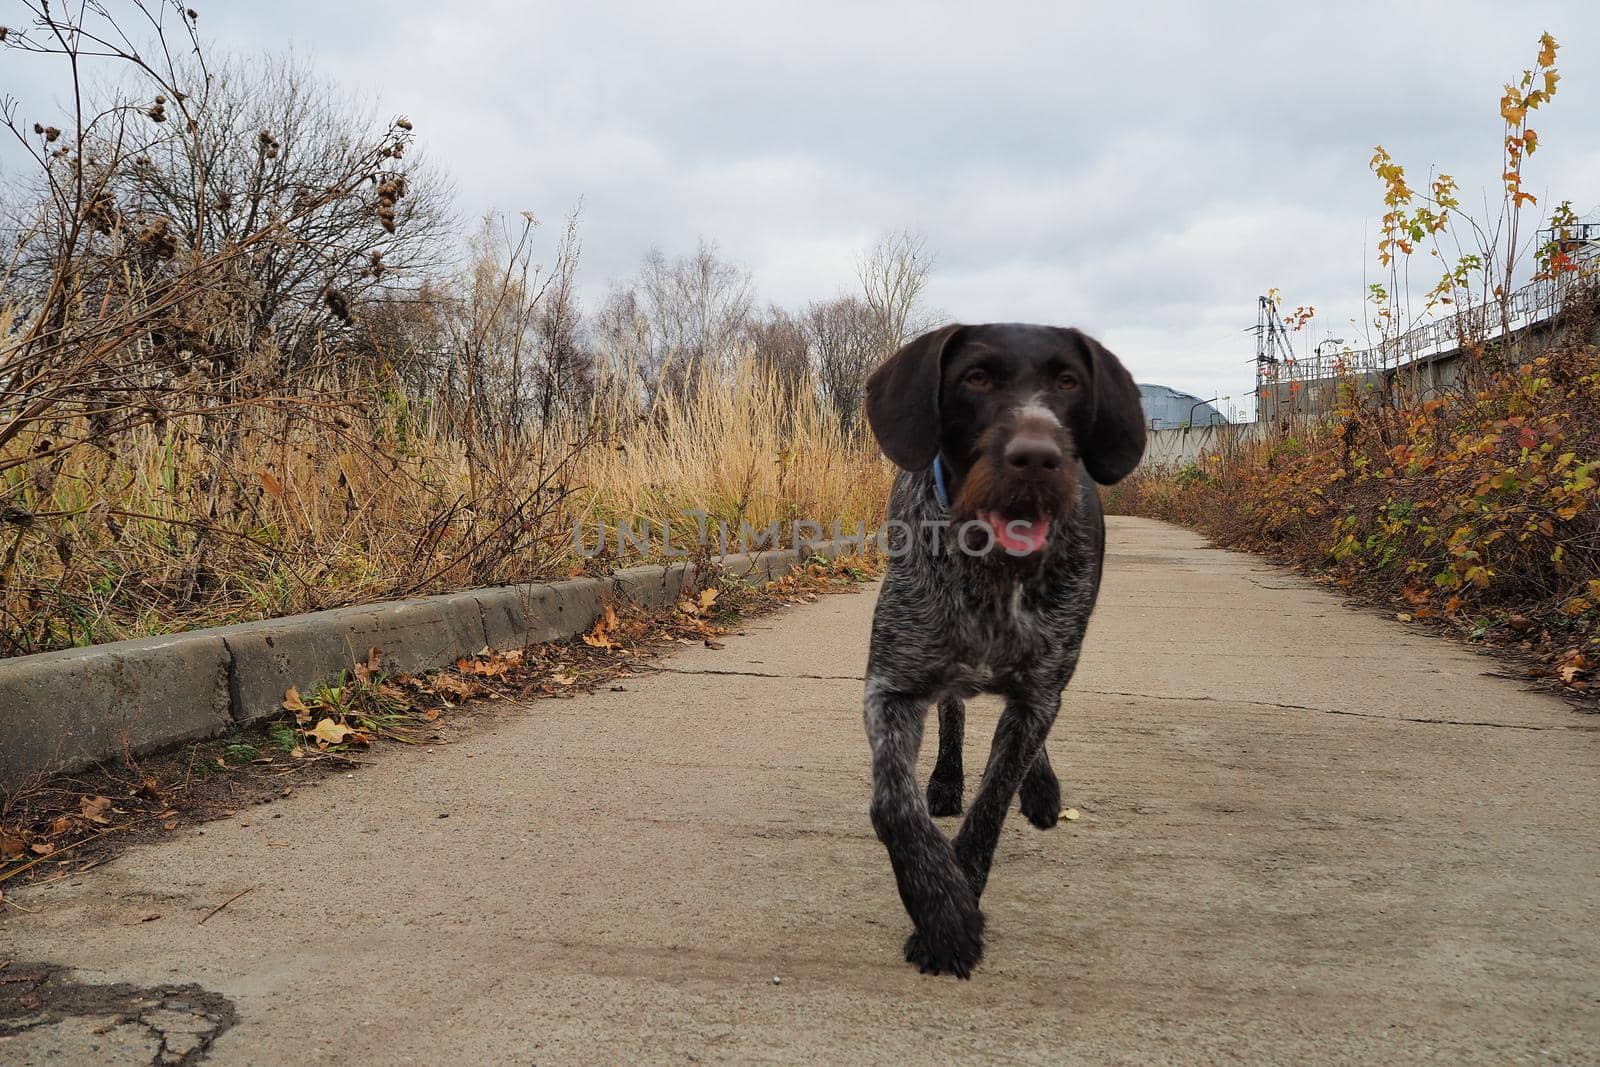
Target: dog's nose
1032, 454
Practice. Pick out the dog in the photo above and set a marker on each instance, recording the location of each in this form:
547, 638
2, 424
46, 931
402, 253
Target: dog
996, 541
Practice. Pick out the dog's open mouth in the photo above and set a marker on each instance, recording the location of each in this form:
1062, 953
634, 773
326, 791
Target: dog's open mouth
1020, 537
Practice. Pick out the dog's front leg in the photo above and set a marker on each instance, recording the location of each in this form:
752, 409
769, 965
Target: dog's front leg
948, 934
1018, 740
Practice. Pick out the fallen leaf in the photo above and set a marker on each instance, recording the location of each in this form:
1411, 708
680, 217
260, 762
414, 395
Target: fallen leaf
329, 732
11, 846
292, 702
563, 679
95, 808
449, 684
600, 636
365, 672
708, 597
62, 824
714, 644
42, 848
170, 824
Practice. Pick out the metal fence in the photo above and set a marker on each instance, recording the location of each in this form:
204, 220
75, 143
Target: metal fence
1287, 383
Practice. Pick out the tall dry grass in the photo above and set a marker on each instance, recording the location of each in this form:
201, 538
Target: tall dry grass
372, 499
740, 450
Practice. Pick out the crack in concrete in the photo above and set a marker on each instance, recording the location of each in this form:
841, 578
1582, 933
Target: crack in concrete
1332, 711
763, 674
1160, 696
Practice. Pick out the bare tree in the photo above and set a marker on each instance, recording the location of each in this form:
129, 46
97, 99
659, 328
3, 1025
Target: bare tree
677, 319
133, 294
514, 357
777, 342
273, 138
893, 273
846, 340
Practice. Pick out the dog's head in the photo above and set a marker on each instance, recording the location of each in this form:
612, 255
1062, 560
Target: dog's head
1012, 409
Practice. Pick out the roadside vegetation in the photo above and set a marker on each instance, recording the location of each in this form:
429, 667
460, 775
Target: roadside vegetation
1475, 506
251, 363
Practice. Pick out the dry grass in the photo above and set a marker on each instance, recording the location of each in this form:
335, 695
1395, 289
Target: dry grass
740, 451
328, 504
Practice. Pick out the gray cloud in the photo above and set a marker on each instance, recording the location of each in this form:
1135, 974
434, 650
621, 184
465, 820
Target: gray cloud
1141, 170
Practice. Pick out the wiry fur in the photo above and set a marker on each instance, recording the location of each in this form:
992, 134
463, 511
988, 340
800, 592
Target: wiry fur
950, 625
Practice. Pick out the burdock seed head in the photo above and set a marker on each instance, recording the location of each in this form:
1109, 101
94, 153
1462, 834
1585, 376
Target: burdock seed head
338, 304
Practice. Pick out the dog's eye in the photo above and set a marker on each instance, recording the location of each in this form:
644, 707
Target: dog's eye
1066, 381
977, 378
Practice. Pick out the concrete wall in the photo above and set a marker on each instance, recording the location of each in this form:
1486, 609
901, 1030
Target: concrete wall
1165, 449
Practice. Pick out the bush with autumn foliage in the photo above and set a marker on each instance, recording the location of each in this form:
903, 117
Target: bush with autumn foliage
1478, 506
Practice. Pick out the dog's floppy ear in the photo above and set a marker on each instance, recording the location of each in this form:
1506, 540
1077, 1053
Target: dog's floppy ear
903, 399
1116, 436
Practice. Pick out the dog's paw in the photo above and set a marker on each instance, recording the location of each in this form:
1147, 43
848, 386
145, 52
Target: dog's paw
948, 948
944, 796
1041, 801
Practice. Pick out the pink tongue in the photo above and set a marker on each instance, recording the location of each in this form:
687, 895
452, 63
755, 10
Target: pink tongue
1020, 536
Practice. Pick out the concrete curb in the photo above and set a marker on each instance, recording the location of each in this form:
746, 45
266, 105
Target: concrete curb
62, 711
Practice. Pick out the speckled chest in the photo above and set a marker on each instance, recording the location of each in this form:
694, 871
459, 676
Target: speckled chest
951, 623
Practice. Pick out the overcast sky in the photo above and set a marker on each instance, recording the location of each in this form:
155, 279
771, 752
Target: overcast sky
1141, 170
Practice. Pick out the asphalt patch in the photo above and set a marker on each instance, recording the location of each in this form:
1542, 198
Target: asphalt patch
46, 1017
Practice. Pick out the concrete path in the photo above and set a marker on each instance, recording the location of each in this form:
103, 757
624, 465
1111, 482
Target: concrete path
1307, 833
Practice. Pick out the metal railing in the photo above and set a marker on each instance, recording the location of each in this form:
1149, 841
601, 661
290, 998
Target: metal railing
1306, 384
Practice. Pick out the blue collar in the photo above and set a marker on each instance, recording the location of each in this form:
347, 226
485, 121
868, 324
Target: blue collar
940, 493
